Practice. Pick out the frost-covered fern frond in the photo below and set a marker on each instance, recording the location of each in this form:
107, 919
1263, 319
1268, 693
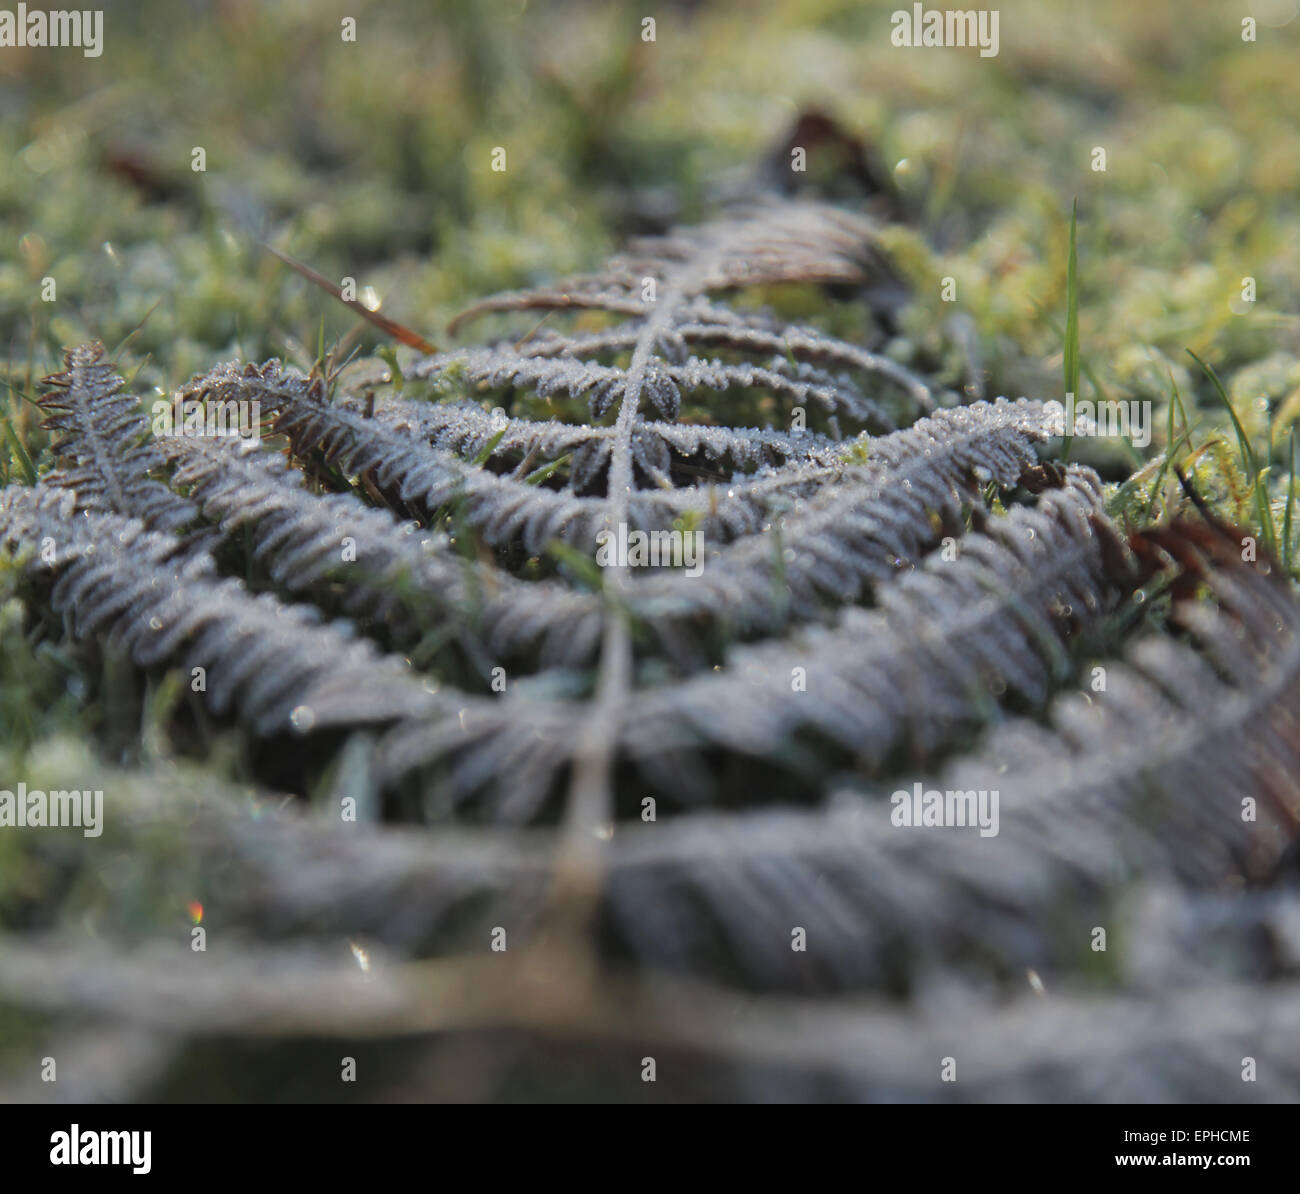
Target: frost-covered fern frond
1143, 777
846, 524
946, 642
407, 578
768, 243
836, 535
594, 668
638, 622
106, 444
647, 368
278, 665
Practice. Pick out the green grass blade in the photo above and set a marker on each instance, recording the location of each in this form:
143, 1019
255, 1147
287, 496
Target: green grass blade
488, 448
388, 354
1071, 354
23, 395
1170, 446
1290, 508
1248, 458
584, 568
537, 476
25, 465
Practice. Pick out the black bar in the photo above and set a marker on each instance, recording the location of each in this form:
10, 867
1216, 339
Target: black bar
1024, 1144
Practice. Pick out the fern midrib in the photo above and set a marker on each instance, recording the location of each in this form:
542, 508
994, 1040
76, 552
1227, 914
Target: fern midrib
590, 802
82, 396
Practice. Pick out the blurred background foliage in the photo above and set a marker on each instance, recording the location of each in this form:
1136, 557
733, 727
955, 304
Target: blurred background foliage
373, 159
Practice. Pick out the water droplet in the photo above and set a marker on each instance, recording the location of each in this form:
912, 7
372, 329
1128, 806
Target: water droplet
303, 718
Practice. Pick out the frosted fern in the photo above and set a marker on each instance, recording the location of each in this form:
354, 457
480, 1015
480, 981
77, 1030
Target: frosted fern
398, 598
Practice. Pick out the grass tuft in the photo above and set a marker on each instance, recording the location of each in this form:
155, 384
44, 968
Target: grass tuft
1250, 462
